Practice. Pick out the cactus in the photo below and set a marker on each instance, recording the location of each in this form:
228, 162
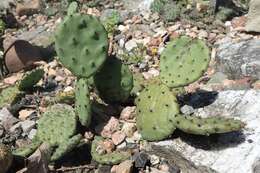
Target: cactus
114, 81
56, 127
26, 151
6, 158
156, 106
158, 116
207, 126
112, 158
81, 44
183, 61
82, 103
30, 79
9, 96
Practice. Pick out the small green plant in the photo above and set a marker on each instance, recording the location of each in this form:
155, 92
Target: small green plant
111, 21
158, 5
169, 10
135, 56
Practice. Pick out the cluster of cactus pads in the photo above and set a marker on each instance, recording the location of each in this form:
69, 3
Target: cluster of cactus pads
81, 43
182, 62
57, 128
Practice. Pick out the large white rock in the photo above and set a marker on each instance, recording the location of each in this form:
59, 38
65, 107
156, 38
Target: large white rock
253, 18
227, 153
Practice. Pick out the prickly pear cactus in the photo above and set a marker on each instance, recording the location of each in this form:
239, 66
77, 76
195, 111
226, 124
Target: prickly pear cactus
158, 116
207, 126
112, 158
30, 79
6, 158
114, 81
56, 127
156, 108
82, 102
9, 96
183, 61
81, 44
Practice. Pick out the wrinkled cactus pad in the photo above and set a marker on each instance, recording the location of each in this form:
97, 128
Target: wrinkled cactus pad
156, 108
81, 44
57, 128
114, 81
82, 102
6, 158
61, 116
112, 158
30, 79
183, 61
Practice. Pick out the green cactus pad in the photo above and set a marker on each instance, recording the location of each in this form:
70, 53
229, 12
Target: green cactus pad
82, 102
26, 151
183, 61
57, 128
81, 44
113, 158
156, 108
207, 126
61, 116
66, 147
9, 96
30, 79
114, 81
6, 158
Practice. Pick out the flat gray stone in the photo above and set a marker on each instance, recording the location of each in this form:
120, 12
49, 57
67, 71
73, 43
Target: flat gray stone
238, 59
27, 125
227, 153
7, 120
253, 17
137, 5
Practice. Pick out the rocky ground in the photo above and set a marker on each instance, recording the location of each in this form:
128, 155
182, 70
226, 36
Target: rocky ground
137, 35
